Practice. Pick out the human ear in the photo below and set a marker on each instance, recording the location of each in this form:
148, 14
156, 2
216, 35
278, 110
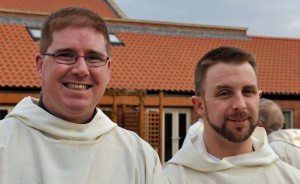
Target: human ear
109, 69
38, 64
259, 93
198, 103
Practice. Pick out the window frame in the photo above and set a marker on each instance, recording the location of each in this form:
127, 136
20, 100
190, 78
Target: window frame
289, 122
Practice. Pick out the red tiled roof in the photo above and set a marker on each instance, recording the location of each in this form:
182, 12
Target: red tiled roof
159, 62
17, 62
47, 6
167, 62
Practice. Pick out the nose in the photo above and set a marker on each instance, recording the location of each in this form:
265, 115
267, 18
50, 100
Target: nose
239, 102
80, 68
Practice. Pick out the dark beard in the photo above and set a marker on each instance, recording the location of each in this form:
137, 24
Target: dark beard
230, 135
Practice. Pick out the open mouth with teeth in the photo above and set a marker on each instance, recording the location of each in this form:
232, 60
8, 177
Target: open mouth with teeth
80, 87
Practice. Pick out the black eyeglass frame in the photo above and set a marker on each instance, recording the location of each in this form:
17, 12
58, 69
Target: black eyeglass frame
75, 59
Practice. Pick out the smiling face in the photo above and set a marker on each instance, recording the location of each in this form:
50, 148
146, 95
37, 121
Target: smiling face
230, 102
72, 92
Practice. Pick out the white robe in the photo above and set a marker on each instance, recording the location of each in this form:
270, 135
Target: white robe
37, 147
286, 144
192, 164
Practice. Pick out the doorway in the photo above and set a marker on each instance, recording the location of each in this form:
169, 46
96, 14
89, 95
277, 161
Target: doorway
175, 126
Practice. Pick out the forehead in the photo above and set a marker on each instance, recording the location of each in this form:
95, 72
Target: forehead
71, 32
229, 74
78, 38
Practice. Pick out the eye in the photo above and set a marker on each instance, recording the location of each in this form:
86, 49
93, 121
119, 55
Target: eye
66, 56
224, 93
95, 57
249, 92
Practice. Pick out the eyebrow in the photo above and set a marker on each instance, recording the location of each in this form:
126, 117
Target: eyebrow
74, 51
251, 87
219, 87
64, 50
95, 52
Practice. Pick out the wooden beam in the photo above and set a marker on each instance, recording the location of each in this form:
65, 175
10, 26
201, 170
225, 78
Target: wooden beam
14, 98
149, 101
177, 101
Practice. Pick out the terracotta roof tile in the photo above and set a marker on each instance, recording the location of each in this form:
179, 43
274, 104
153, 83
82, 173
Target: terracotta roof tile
159, 62
17, 51
38, 6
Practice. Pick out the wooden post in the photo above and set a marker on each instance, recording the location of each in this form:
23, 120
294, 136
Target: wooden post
161, 113
115, 110
142, 116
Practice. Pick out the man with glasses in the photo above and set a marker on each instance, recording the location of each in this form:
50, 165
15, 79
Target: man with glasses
63, 137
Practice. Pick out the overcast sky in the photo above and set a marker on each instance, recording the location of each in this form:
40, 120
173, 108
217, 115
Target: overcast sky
276, 18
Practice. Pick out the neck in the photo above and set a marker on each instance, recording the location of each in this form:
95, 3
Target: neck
42, 105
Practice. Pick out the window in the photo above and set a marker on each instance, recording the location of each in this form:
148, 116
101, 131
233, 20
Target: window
288, 118
115, 40
35, 33
3, 113
4, 110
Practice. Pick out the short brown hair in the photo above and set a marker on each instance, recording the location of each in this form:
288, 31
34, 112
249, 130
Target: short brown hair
223, 54
270, 114
72, 17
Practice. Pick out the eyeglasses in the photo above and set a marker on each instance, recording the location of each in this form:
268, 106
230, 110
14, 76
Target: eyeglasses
69, 58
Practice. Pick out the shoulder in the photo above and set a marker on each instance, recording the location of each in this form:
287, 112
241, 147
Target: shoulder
131, 140
287, 171
8, 127
174, 169
278, 144
178, 174
8, 124
137, 150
